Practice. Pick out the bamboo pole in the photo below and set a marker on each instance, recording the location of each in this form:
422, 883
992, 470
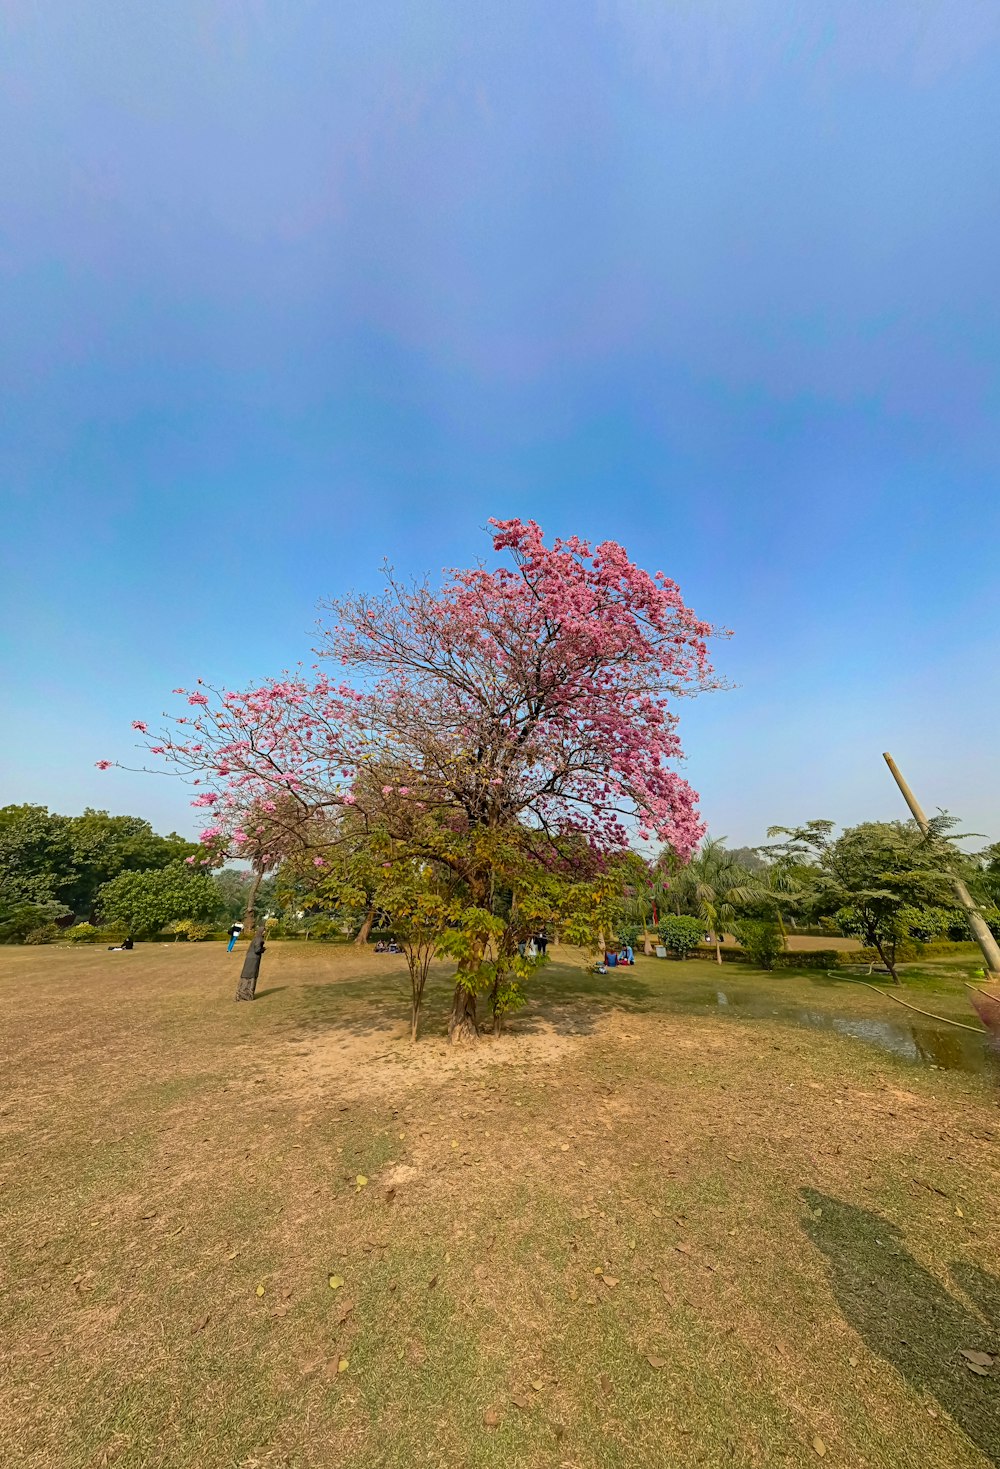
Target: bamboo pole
980, 929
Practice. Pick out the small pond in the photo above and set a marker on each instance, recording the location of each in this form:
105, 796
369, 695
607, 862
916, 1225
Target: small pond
922, 1042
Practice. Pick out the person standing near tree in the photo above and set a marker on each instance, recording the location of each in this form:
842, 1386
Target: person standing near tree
251, 965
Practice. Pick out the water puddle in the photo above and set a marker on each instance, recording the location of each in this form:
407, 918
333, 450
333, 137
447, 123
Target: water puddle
921, 1042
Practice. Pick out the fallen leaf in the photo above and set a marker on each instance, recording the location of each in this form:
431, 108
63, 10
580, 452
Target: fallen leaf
390, 1194
537, 1384
564, 1147
286, 1293
360, 1181
598, 1270
520, 1399
260, 1290
343, 1364
683, 1249
656, 1362
491, 1417
656, 1213
980, 1359
977, 1369
454, 1143
280, 1311
346, 1307
819, 1445
200, 1325
610, 1281
432, 1282
959, 1212
853, 1361
231, 1255
605, 1382
336, 1281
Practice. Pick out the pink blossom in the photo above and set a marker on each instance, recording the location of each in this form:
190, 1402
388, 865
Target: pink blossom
103, 764
197, 699
350, 800
387, 790
319, 862
142, 728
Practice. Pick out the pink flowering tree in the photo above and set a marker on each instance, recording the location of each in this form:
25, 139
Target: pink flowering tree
539, 693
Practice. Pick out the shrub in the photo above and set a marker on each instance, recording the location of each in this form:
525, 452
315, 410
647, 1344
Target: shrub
83, 933
43, 935
681, 934
19, 920
628, 933
817, 959
190, 929
760, 940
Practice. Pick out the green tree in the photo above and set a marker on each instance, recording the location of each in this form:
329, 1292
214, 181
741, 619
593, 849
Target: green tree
713, 886
35, 854
144, 903
103, 846
45, 857
760, 939
681, 933
878, 878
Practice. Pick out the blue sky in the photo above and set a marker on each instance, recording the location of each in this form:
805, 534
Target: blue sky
287, 288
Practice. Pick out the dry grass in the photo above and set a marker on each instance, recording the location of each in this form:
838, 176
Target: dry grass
798, 1229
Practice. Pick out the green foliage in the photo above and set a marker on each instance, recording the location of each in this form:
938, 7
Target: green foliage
24, 922
628, 933
761, 940
83, 933
681, 934
144, 903
233, 886
877, 878
45, 933
190, 929
45, 857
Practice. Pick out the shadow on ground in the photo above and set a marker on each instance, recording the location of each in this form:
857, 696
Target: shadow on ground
908, 1318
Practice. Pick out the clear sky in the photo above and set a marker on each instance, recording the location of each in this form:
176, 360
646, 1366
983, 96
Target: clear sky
290, 286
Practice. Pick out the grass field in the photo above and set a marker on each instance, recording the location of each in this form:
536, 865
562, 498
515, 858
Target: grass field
649, 1227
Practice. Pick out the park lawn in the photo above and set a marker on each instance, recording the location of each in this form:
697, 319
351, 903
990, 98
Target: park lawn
644, 1229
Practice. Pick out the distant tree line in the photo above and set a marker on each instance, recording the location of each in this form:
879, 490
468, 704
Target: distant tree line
886, 883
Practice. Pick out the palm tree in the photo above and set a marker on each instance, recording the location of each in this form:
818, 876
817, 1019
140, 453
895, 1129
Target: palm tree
713, 885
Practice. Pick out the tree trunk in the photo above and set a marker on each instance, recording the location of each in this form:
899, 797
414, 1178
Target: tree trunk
462, 1027
414, 1019
718, 950
366, 926
889, 963
250, 915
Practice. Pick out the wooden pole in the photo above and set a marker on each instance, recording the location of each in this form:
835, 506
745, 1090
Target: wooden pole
980, 928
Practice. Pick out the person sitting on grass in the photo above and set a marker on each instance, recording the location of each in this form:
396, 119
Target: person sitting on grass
119, 948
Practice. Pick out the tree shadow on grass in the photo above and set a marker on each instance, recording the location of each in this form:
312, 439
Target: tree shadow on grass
571, 1002
908, 1318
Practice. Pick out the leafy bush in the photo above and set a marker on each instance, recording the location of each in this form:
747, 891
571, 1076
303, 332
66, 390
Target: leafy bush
143, 903
42, 935
83, 933
681, 934
19, 919
326, 929
190, 929
760, 940
628, 933
816, 959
